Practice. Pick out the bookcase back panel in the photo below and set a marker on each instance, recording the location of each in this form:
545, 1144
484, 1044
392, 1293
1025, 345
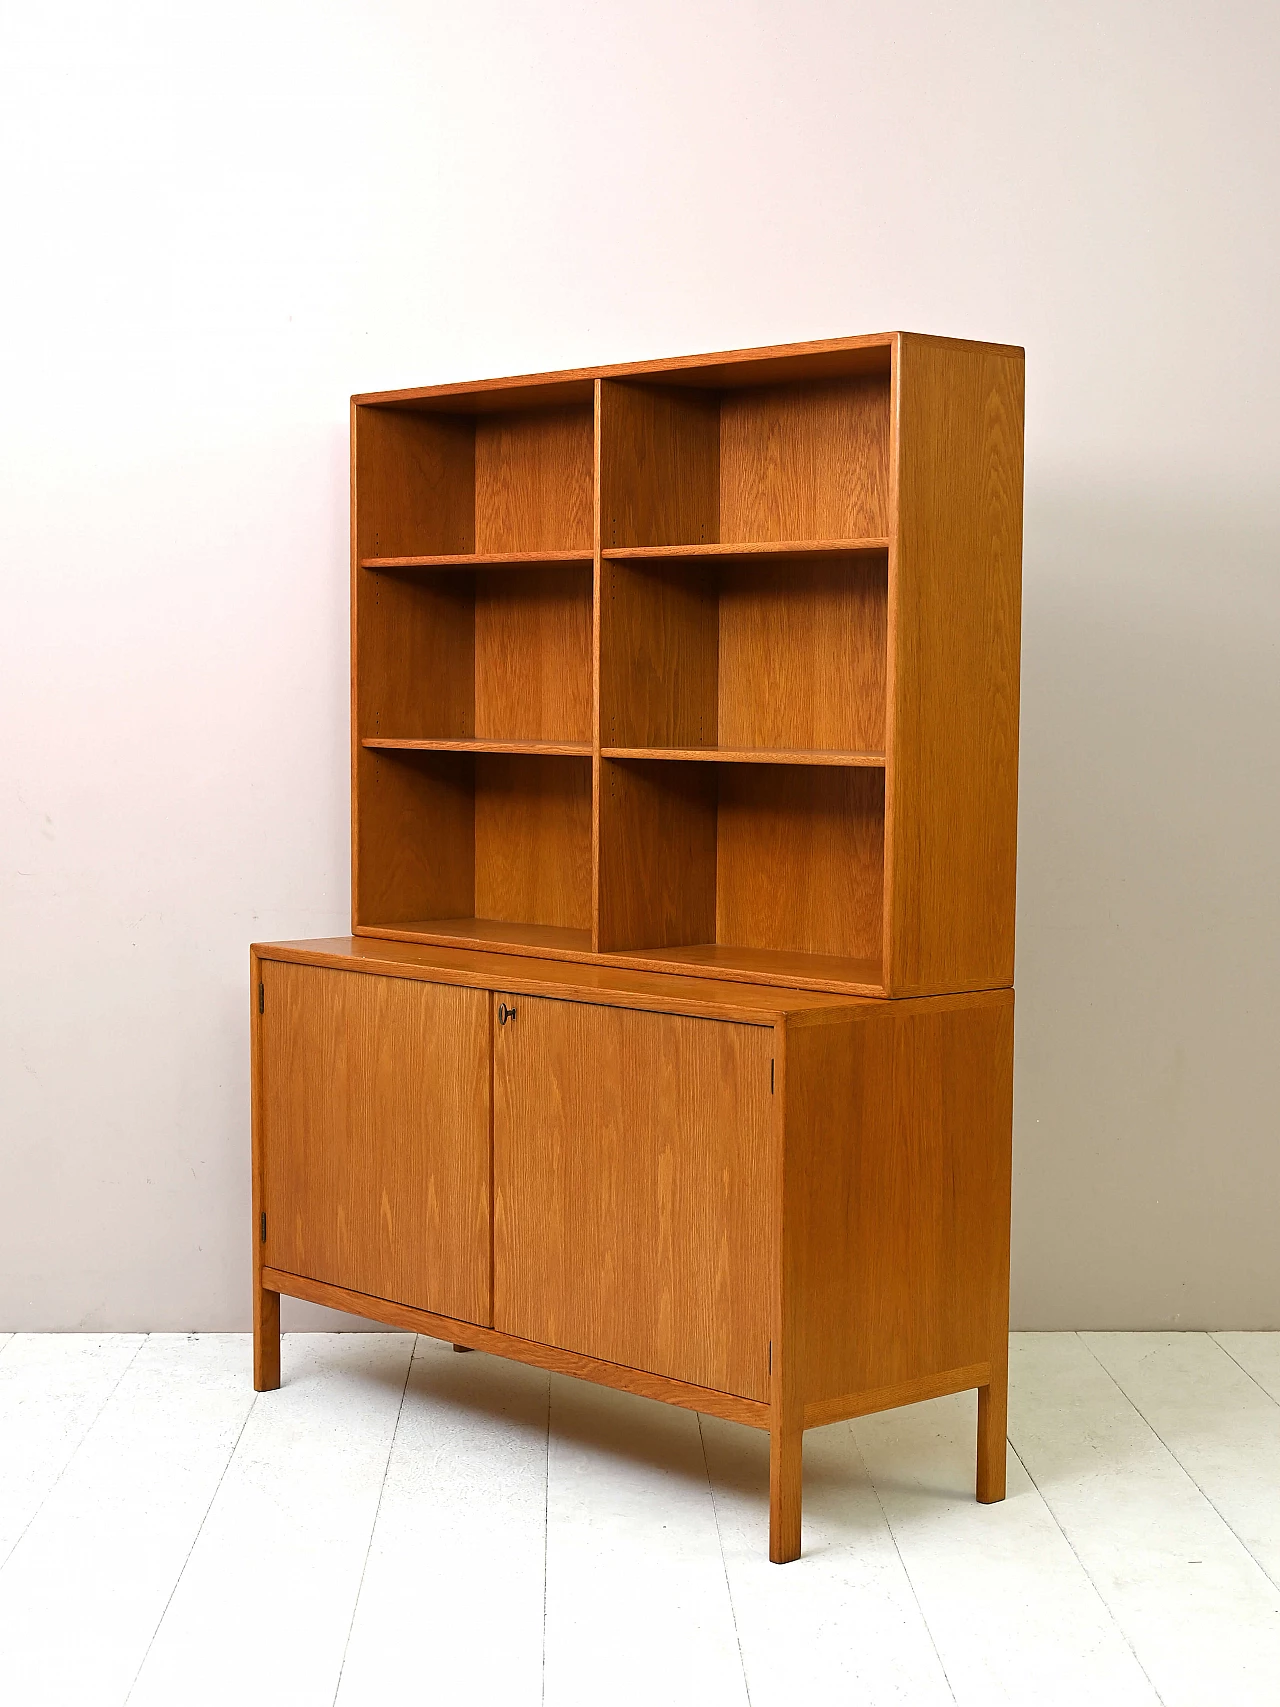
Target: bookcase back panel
659, 465
659, 627
805, 461
657, 854
800, 859
533, 839
535, 480
414, 483
801, 658
533, 654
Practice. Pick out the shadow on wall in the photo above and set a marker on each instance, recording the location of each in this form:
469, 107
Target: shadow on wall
1147, 1167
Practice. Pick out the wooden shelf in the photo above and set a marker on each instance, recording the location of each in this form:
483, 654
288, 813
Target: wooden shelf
490, 933
480, 560
748, 552
542, 749
774, 966
749, 755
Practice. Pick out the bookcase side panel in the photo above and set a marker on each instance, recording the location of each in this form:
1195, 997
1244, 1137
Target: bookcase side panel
955, 626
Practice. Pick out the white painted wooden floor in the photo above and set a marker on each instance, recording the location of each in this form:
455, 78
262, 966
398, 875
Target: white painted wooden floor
402, 1524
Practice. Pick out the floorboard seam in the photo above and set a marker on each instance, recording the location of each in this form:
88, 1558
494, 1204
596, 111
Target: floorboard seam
1206, 1497
204, 1518
373, 1527
724, 1563
50, 1490
1088, 1576
928, 1630
1265, 1391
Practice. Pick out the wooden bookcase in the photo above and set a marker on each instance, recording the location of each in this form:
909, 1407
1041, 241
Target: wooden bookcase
682, 681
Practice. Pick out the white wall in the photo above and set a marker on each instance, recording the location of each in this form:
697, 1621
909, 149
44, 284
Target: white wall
218, 222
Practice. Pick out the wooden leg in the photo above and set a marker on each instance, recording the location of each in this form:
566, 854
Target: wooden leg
993, 1429
266, 1339
463, 1348
786, 1455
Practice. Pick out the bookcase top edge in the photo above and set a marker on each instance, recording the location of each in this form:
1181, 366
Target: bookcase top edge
769, 362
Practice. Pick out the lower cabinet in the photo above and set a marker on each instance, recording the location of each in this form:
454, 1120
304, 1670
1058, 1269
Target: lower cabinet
375, 1135
781, 1208
633, 1158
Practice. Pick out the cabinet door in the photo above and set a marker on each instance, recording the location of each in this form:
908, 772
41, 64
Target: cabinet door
375, 1135
633, 1189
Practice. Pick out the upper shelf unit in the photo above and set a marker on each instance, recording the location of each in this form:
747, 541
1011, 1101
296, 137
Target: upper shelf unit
711, 663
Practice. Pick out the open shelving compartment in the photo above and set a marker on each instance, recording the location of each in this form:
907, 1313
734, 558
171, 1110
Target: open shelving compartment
472, 695
707, 664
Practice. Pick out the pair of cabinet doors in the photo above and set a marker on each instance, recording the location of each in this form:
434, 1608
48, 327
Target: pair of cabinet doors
594, 1178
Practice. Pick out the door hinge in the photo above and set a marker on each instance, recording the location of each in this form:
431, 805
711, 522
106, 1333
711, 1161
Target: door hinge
262, 1228
262, 998
771, 1078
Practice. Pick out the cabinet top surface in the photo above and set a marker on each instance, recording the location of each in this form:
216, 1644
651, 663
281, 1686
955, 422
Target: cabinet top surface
766, 365
660, 992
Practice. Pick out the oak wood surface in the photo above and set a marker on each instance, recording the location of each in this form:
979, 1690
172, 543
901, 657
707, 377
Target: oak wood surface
747, 755
807, 461
799, 859
659, 466
899, 1136
375, 1135
533, 481
955, 594
778, 552
818, 1413
633, 1165
578, 749
533, 654
479, 560
478, 1338
573, 981
413, 836
533, 839
657, 855
266, 1304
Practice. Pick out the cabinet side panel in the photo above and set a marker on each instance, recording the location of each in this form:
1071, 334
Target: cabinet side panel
955, 633
375, 1136
659, 466
414, 838
633, 1189
898, 1146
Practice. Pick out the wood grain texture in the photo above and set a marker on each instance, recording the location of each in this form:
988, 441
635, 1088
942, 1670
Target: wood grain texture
468, 744
533, 839
749, 756
414, 656
480, 560
955, 598
534, 485
802, 654
657, 855
514, 936
898, 1142
265, 1303
822, 358
993, 1435
787, 970
375, 1135
413, 476
413, 836
633, 1167
533, 654
658, 649
608, 985
799, 859
477, 1338
747, 551
659, 466
806, 461
817, 1414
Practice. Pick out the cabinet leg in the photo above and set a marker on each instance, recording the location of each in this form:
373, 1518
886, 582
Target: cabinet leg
462, 1348
266, 1339
786, 1455
993, 1430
